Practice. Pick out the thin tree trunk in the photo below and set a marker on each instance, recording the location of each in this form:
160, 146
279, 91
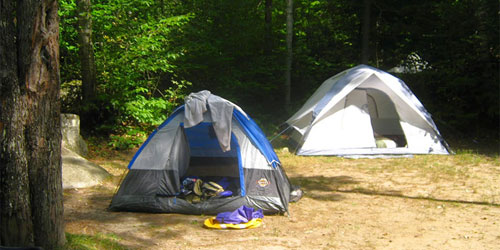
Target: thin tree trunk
86, 53
31, 209
289, 54
481, 13
268, 36
365, 51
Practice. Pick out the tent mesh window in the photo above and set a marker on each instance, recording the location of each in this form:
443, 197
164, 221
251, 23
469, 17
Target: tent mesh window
384, 118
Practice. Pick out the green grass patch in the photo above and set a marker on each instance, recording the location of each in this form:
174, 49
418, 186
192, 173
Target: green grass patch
92, 242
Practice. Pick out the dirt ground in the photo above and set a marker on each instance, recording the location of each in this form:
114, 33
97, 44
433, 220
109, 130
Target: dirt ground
424, 202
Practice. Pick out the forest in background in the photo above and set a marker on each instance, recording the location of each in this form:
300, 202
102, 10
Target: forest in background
143, 56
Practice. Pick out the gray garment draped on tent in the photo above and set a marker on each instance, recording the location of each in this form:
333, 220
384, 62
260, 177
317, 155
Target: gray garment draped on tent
221, 112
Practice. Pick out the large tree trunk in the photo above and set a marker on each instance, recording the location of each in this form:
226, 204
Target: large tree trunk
289, 39
87, 62
16, 227
31, 209
365, 30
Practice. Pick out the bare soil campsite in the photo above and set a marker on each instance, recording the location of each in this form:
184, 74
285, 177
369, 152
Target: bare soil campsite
423, 202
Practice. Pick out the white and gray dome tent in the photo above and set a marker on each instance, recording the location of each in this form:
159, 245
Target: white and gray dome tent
207, 137
364, 111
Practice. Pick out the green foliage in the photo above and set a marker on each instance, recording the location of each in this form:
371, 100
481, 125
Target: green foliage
134, 58
134, 53
149, 54
460, 85
326, 42
129, 137
225, 53
68, 41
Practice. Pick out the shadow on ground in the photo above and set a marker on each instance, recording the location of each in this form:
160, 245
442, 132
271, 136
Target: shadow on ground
398, 194
321, 187
89, 208
330, 189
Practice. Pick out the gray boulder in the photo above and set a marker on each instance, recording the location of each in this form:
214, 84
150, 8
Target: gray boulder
71, 138
77, 172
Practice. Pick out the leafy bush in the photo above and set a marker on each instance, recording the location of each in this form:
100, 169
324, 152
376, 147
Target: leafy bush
130, 138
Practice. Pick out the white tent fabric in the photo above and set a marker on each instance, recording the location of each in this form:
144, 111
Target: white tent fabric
351, 111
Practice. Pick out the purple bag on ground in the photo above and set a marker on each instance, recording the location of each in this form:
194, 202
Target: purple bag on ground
241, 215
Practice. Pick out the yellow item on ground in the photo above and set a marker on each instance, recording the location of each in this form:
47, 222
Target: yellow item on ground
214, 224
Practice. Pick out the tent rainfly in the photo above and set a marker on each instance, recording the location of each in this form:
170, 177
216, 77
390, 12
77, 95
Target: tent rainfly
364, 112
210, 139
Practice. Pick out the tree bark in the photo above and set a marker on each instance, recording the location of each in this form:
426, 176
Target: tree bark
31, 209
365, 50
87, 62
289, 54
15, 225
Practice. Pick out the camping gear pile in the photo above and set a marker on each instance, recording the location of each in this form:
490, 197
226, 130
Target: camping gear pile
195, 190
364, 111
207, 138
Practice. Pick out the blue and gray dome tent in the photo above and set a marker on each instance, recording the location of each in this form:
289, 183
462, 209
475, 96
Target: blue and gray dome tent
208, 137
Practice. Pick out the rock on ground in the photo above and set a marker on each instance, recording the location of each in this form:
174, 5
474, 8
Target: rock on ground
77, 172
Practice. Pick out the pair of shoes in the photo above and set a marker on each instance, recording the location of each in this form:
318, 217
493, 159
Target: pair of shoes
192, 198
211, 188
197, 187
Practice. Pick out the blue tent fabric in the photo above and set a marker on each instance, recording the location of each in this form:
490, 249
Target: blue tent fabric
203, 141
240, 167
